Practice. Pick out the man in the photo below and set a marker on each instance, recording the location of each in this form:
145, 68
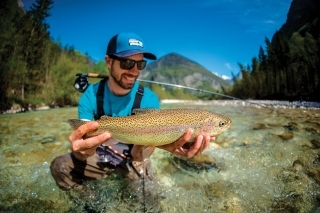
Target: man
89, 158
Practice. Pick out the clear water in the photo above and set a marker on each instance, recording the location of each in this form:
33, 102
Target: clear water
268, 161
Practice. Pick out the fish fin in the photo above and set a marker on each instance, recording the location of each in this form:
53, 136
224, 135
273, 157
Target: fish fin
104, 117
139, 111
110, 142
75, 123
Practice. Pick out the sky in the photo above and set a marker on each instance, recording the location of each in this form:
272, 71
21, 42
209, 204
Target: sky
217, 34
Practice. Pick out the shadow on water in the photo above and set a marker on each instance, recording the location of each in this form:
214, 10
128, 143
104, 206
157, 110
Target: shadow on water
269, 161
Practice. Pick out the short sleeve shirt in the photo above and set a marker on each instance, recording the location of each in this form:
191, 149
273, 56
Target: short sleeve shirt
113, 105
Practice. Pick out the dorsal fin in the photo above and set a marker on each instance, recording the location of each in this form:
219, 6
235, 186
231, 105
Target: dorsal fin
105, 117
140, 111
75, 123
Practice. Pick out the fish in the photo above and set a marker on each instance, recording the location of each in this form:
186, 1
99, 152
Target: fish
156, 127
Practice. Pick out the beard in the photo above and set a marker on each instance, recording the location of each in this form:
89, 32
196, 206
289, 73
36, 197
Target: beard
124, 80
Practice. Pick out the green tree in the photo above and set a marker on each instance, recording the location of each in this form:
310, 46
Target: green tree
10, 49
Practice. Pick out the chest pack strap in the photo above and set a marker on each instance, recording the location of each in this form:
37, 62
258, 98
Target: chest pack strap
100, 95
138, 98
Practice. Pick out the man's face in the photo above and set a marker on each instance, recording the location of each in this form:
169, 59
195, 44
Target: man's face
124, 78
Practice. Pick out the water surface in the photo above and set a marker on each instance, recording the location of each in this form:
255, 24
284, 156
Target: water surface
268, 161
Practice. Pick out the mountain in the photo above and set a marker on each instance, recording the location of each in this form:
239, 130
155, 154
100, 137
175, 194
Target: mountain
21, 6
303, 17
176, 69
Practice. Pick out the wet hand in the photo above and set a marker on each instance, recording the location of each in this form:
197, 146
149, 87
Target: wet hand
181, 147
141, 152
83, 148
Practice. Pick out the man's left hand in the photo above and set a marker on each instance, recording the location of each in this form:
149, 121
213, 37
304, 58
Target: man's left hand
179, 147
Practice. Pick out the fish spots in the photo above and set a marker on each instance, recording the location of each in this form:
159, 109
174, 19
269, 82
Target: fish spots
159, 127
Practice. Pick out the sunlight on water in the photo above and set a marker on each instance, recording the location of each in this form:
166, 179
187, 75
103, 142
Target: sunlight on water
268, 161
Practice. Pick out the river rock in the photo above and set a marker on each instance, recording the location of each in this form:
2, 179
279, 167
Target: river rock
196, 164
315, 143
259, 127
286, 136
292, 126
48, 139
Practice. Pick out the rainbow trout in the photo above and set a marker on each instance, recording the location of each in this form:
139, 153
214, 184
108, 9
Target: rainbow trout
154, 127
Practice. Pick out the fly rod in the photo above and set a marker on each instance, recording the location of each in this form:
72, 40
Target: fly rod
82, 83
94, 75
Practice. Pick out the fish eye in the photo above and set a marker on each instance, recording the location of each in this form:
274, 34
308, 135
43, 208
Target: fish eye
221, 123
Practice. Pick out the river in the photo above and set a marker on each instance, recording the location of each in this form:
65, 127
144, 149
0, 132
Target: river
268, 161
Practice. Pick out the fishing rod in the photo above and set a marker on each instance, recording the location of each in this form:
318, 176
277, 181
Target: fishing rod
82, 83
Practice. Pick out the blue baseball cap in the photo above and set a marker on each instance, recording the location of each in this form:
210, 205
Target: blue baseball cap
127, 44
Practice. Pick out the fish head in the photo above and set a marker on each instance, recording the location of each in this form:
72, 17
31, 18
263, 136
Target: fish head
216, 124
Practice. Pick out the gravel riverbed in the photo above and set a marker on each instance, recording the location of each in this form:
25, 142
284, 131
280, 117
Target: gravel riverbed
251, 103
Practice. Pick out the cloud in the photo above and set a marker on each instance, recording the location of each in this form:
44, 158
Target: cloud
269, 22
228, 66
262, 16
224, 77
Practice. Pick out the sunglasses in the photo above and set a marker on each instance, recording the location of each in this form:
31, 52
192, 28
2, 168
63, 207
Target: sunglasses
128, 64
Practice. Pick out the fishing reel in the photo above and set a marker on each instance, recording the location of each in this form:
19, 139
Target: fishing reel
82, 82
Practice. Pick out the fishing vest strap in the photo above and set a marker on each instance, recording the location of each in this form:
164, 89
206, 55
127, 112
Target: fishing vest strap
99, 97
138, 98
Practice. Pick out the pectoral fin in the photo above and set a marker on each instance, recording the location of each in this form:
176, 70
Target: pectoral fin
110, 142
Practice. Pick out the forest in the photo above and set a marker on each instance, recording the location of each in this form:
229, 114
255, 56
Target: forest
287, 69
37, 70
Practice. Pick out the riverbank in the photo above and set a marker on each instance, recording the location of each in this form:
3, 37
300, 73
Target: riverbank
251, 103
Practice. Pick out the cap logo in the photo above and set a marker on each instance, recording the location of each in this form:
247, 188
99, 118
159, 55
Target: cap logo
135, 42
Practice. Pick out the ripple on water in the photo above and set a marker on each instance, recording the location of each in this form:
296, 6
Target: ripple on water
269, 162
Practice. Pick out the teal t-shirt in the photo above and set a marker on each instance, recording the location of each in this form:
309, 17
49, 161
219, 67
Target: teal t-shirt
114, 105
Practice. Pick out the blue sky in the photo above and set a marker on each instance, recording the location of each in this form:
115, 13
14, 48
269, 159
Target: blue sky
214, 33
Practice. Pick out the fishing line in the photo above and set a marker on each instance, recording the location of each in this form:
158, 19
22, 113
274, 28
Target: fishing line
144, 188
83, 76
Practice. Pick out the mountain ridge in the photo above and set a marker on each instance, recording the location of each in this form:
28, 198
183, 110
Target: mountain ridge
303, 17
177, 69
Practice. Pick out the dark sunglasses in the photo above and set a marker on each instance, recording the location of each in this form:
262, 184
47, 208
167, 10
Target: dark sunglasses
128, 64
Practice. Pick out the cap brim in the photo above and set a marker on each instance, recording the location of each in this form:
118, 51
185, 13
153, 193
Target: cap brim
127, 53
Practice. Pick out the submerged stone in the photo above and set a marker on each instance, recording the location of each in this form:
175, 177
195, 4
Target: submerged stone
312, 129
196, 164
315, 143
48, 139
286, 136
284, 205
259, 126
292, 126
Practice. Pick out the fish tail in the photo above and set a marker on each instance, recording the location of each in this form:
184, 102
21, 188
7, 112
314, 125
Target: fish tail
75, 123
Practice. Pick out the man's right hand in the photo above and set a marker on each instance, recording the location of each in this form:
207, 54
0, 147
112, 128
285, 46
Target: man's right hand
84, 148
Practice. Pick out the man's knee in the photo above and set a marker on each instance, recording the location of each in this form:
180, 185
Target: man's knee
58, 166
61, 172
